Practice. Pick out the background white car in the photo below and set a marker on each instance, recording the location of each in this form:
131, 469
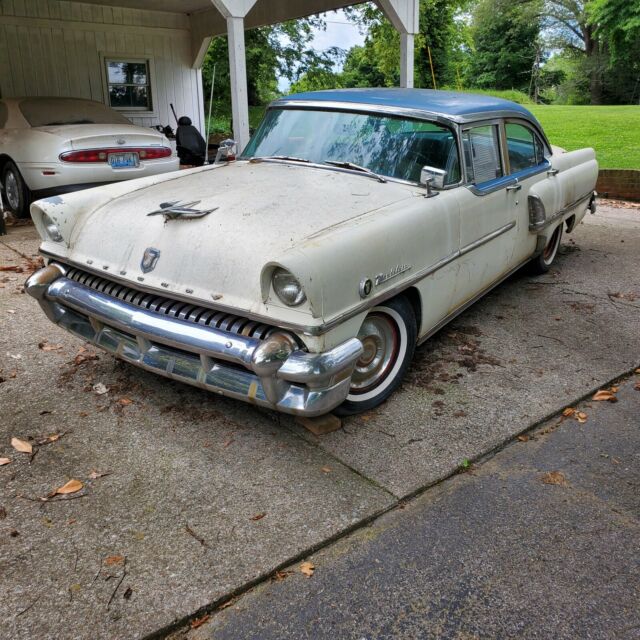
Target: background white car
50, 146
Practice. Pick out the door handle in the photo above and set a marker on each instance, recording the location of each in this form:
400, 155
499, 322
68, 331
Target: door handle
514, 187
553, 172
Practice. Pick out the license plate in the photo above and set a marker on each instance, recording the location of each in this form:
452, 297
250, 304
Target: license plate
123, 160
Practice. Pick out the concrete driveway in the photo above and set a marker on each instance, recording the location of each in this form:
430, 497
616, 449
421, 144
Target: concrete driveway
189, 499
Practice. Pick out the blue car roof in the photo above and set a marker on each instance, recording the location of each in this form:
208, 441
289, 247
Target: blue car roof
455, 105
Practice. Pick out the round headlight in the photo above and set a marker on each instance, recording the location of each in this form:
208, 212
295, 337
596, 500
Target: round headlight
287, 288
52, 229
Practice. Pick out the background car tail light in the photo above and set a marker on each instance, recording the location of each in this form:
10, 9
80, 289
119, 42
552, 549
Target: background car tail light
102, 155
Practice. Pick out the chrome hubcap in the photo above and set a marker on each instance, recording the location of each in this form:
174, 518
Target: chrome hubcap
379, 337
12, 191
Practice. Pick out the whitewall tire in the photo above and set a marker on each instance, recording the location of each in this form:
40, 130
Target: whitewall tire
388, 336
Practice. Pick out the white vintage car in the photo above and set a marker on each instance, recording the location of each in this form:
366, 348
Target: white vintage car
50, 146
301, 277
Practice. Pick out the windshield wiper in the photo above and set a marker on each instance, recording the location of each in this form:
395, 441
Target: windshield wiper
345, 164
290, 158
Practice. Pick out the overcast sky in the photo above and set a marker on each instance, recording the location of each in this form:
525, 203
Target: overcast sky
340, 33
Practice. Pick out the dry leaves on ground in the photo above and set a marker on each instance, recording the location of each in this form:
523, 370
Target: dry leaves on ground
581, 417
110, 561
21, 445
125, 402
94, 475
554, 477
307, 568
45, 346
604, 395
258, 516
73, 486
568, 412
4, 461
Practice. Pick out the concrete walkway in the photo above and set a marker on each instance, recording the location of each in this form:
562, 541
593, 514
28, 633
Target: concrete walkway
541, 541
204, 497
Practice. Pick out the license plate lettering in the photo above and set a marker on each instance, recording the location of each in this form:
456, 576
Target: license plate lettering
123, 160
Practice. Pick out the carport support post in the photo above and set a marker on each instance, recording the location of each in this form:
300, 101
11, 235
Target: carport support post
404, 16
234, 12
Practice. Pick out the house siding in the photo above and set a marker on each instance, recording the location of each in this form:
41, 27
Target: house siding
55, 48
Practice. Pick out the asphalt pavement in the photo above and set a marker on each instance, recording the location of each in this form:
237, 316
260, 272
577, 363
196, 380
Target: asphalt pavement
540, 541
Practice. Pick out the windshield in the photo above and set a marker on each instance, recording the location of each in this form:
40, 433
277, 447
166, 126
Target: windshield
390, 146
46, 112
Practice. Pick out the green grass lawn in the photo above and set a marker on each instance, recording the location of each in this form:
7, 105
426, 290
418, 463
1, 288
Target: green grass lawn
613, 131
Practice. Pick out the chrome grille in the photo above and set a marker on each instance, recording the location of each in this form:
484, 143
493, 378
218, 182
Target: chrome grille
169, 307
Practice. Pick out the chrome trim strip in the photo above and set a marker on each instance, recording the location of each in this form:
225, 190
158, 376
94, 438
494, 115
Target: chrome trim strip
487, 238
383, 109
509, 180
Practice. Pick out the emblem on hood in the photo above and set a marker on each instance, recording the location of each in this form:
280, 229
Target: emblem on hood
184, 210
149, 259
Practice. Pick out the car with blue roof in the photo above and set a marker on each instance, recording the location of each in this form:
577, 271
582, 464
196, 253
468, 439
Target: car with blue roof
302, 275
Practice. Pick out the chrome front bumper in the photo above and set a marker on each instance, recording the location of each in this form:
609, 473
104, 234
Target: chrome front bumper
272, 372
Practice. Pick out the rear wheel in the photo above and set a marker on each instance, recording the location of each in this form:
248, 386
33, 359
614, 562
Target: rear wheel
16, 194
542, 263
388, 336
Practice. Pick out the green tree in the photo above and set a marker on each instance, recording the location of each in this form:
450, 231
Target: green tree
505, 44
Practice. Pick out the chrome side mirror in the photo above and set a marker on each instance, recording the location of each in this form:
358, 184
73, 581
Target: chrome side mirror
226, 151
432, 178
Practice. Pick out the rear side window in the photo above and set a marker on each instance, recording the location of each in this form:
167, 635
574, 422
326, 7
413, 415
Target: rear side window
4, 114
482, 153
524, 146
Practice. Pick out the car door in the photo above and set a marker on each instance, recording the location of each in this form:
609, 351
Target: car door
527, 161
487, 216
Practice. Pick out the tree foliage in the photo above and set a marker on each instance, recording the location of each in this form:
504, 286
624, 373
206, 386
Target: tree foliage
505, 44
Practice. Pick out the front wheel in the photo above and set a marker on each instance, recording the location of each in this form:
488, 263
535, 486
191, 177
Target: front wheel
388, 336
17, 196
542, 263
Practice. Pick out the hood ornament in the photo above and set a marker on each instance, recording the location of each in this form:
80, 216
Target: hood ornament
149, 259
175, 210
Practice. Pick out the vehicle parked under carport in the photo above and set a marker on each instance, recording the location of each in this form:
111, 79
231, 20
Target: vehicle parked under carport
50, 146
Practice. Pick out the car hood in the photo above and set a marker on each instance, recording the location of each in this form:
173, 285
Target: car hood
262, 213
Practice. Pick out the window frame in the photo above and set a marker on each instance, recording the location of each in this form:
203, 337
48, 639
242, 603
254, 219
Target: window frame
541, 166
105, 58
495, 122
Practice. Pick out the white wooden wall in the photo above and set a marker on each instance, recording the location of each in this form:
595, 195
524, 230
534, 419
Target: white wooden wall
53, 48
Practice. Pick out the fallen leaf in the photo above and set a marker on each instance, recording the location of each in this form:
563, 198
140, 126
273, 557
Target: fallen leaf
128, 593
198, 622
228, 603
13, 268
523, 438
581, 417
569, 411
125, 402
258, 516
4, 461
307, 568
70, 487
94, 475
637, 386
553, 477
326, 469
604, 395
615, 389
99, 388
45, 346
278, 576
110, 561
21, 445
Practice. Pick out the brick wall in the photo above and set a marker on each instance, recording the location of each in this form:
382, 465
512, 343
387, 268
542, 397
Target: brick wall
619, 183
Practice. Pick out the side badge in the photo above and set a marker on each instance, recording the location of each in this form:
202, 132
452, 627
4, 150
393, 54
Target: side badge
149, 259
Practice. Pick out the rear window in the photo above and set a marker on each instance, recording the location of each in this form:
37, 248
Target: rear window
44, 112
